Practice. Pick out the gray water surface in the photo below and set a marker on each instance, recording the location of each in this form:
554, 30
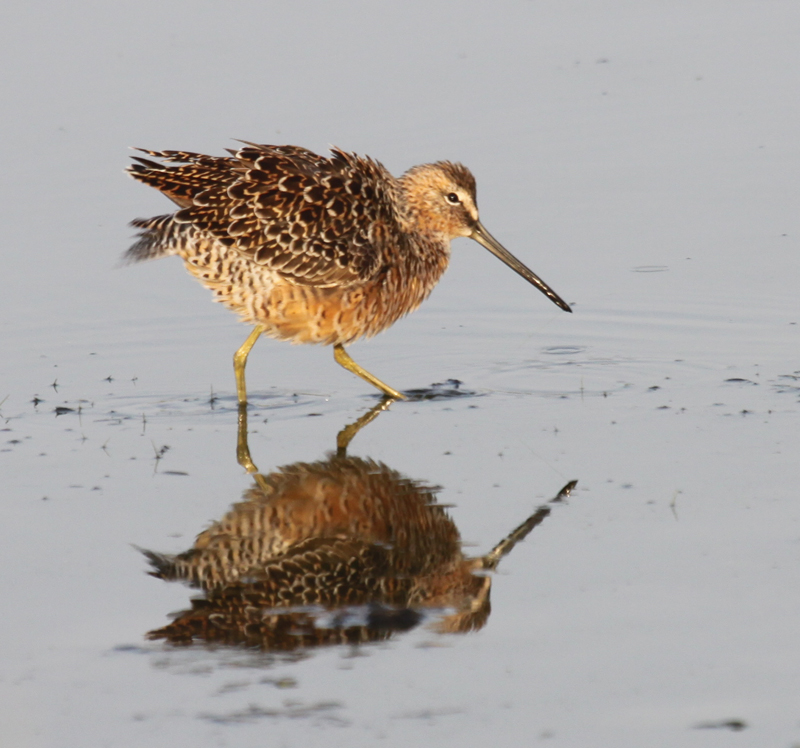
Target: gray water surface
642, 158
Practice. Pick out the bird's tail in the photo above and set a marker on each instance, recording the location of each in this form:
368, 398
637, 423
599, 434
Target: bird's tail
158, 237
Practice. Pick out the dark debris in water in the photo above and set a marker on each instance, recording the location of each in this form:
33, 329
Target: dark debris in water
739, 380
447, 390
131, 649
788, 383
735, 725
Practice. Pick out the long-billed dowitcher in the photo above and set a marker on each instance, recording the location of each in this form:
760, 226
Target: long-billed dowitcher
313, 249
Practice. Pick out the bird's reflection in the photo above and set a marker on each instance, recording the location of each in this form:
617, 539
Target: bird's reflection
342, 550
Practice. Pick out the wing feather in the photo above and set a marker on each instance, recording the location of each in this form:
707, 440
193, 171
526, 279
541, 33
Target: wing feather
316, 220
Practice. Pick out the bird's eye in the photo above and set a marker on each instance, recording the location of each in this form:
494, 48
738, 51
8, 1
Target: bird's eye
453, 199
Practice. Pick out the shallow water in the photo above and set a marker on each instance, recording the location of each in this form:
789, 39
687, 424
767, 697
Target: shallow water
642, 160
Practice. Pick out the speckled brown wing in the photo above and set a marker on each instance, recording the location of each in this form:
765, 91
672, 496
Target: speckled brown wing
318, 221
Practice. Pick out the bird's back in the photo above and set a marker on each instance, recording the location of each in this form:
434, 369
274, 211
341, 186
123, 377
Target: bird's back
313, 220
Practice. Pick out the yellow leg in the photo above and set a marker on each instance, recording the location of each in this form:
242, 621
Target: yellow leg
240, 360
343, 359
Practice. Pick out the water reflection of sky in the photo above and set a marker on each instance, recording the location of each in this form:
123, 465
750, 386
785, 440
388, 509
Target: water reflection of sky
641, 159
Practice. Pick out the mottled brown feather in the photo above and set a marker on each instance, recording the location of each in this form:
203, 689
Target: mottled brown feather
319, 221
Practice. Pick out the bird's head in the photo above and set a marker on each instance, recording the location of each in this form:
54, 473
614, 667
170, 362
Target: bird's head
441, 202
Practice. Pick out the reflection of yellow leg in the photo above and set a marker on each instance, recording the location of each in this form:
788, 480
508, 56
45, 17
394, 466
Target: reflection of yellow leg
240, 359
343, 359
243, 448
345, 436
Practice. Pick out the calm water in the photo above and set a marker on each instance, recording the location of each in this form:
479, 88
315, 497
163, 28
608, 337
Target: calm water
642, 160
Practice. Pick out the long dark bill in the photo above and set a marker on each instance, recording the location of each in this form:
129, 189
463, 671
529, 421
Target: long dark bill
485, 239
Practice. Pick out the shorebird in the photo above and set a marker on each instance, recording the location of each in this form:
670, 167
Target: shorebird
312, 249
